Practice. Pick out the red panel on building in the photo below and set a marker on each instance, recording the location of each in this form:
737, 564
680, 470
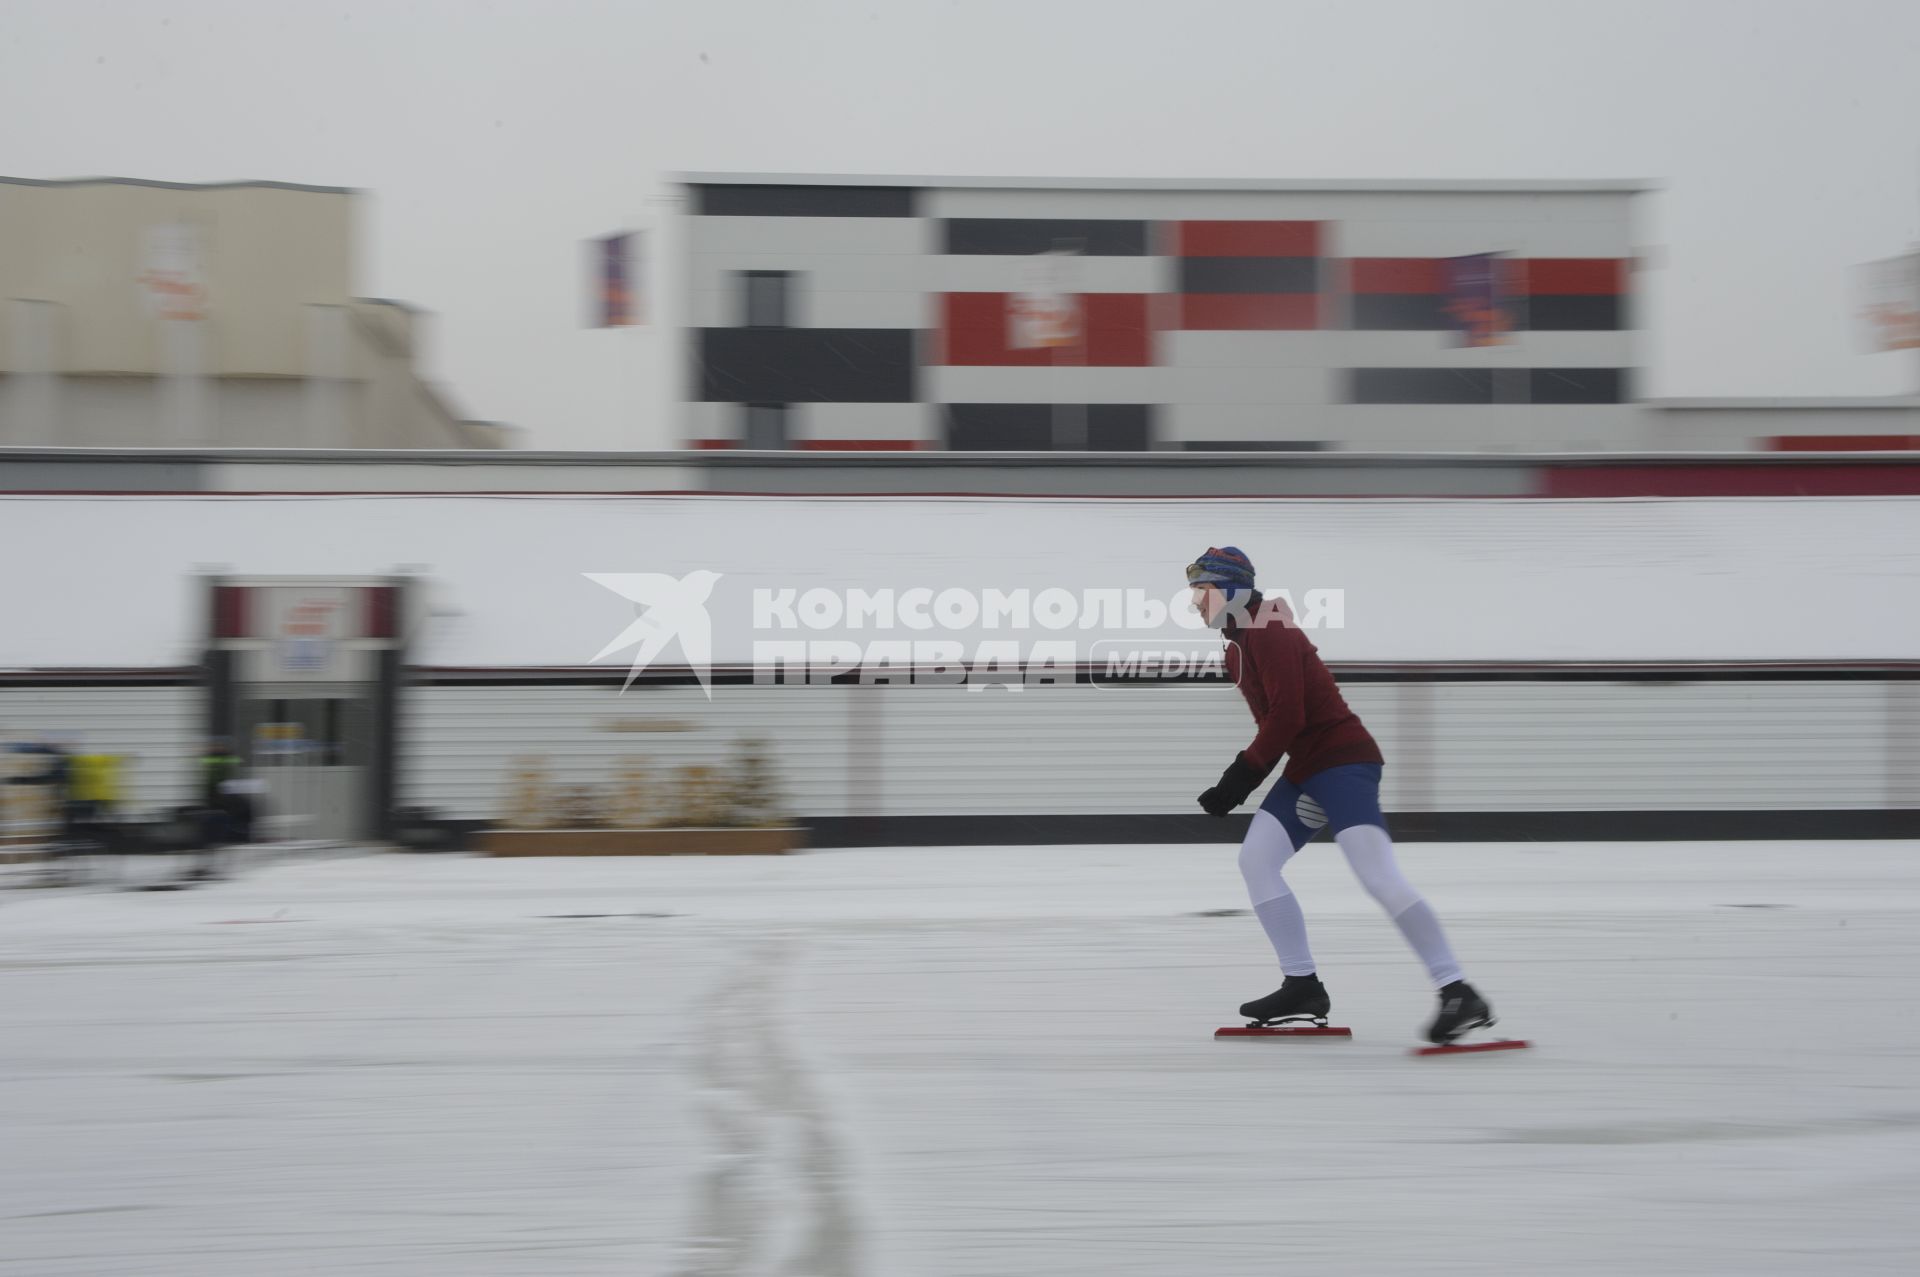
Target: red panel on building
1574, 276
1844, 443
1202, 312
1542, 276
230, 611
1246, 239
383, 612
974, 333
1418, 275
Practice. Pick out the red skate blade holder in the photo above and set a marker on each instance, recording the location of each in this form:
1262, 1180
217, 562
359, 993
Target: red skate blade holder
1474, 1048
1284, 1031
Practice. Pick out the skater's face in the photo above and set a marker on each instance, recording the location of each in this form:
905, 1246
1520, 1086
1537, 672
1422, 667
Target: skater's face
1209, 602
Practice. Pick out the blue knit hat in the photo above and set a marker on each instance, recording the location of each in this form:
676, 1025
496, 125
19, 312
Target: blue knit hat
1224, 565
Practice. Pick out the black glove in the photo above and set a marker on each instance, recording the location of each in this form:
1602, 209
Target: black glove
1239, 780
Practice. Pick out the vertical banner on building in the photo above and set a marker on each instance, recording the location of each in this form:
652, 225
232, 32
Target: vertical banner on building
172, 275
616, 267
172, 280
1046, 313
1477, 299
1890, 303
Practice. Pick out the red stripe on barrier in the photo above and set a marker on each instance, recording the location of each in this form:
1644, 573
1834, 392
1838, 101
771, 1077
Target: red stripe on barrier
1733, 481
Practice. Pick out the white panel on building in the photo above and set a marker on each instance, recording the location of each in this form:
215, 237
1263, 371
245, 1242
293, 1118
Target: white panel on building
822, 307
916, 421
1518, 428
1273, 386
811, 236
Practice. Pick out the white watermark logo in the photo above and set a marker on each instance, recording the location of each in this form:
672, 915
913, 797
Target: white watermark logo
668, 608
1165, 640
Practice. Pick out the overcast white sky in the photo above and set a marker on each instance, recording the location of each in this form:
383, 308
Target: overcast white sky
492, 137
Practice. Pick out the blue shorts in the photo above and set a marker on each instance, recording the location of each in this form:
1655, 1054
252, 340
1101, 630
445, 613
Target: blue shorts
1337, 798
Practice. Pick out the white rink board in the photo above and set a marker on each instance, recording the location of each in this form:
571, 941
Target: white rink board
1733, 579
933, 1063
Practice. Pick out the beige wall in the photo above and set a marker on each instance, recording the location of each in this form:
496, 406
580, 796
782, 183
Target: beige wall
284, 356
266, 253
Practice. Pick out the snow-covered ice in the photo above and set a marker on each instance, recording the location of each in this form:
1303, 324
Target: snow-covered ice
978, 1061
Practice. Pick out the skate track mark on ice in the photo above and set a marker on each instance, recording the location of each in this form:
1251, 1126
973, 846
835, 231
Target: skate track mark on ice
773, 1141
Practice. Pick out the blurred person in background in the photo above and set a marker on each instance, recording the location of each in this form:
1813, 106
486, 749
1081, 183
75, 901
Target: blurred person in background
1331, 780
240, 802
225, 815
69, 803
94, 795
55, 773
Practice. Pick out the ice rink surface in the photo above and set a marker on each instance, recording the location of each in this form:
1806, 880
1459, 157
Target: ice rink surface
960, 1063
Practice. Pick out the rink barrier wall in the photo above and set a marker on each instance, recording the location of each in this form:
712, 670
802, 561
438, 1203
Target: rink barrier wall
1438, 827
1481, 751
1161, 475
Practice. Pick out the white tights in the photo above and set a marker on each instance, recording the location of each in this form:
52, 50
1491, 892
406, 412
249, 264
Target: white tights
1369, 851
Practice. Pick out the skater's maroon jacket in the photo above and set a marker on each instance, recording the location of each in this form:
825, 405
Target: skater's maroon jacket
1295, 702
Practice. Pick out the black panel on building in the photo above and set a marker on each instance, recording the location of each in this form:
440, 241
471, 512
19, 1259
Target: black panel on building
1486, 385
806, 365
1575, 313
1421, 385
729, 200
1040, 427
1398, 312
1018, 236
1249, 274
1577, 385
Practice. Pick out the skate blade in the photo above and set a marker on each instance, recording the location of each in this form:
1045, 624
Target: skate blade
1284, 1031
1473, 1048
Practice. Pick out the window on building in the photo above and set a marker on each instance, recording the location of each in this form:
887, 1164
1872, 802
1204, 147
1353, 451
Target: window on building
766, 426
766, 298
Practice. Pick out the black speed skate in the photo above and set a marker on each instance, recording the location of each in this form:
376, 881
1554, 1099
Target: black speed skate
1299, 997
1461, 1009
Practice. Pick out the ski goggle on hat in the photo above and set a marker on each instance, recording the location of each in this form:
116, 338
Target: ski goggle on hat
1222, 565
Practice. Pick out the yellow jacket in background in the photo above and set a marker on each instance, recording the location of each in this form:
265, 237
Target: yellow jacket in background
96, 779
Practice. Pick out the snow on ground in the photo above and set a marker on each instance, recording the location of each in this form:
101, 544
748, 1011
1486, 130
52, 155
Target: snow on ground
929, 1063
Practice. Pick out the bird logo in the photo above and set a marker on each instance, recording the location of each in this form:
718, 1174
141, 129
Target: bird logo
666, 608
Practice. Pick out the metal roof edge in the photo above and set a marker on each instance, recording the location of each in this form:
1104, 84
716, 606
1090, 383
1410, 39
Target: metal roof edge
1410, 185
1764, 403
180, 186
930, 459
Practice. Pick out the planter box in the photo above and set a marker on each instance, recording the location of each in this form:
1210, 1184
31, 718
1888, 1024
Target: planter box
641, 842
